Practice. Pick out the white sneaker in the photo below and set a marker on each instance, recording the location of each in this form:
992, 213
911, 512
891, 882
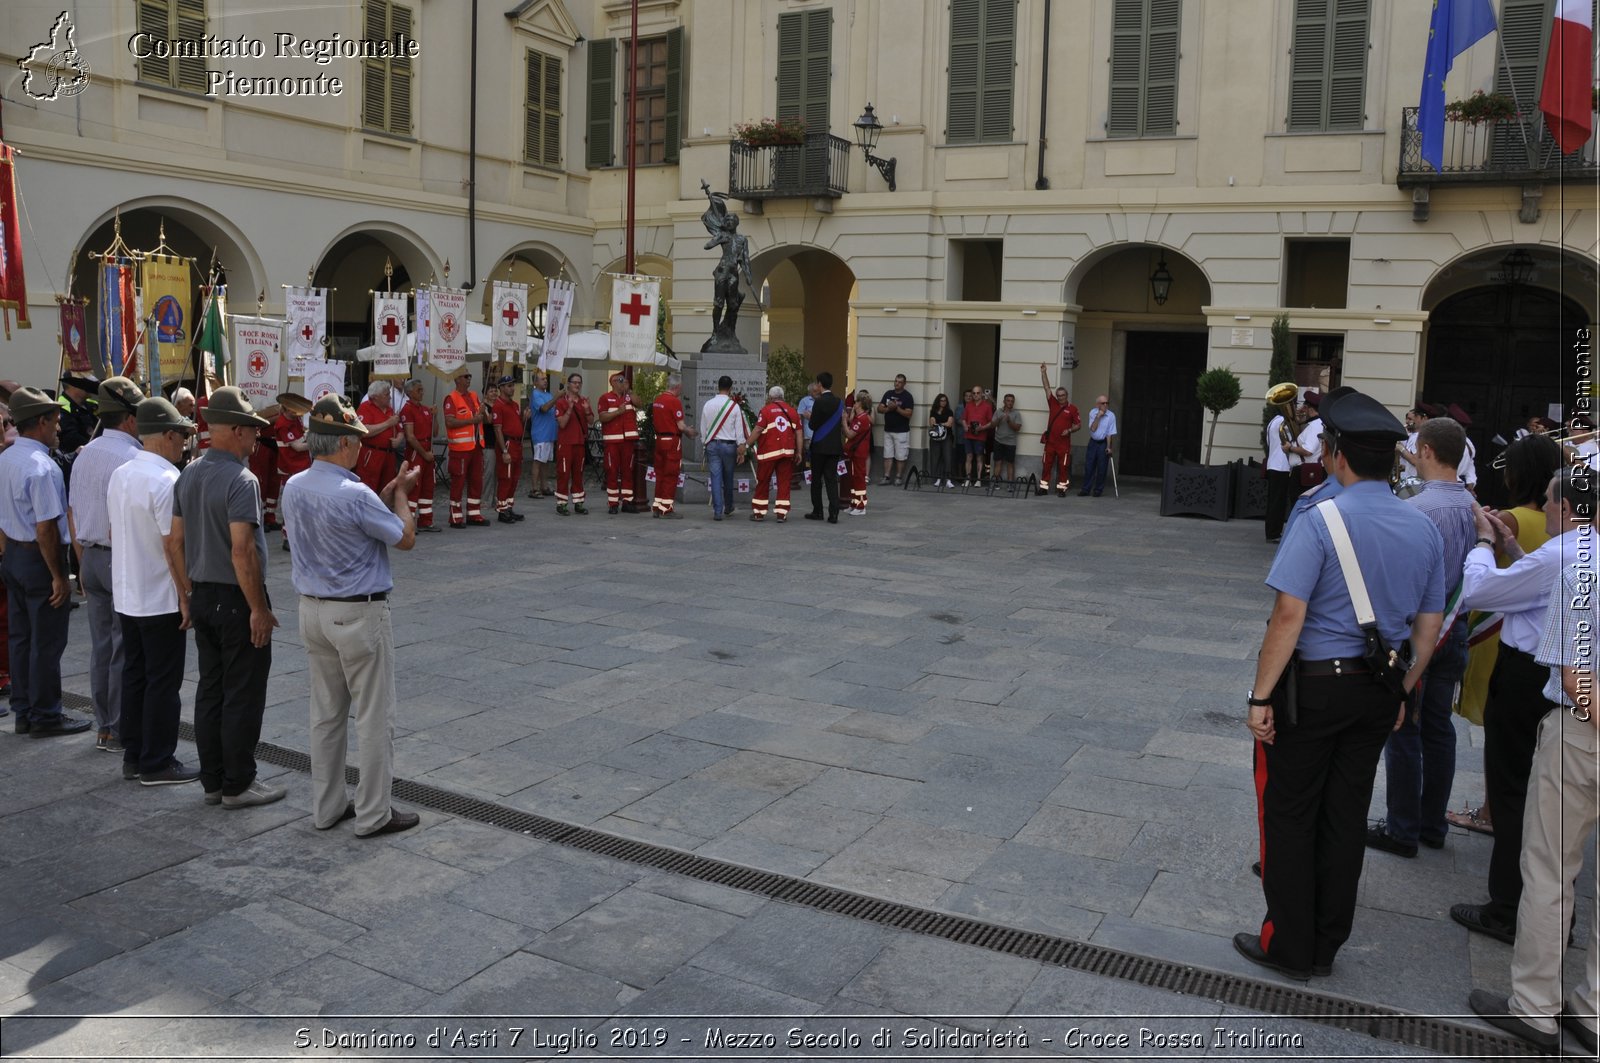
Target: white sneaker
950, 484
258, 793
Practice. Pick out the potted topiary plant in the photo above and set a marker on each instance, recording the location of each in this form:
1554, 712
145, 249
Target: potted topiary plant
1218, 391
1205, 490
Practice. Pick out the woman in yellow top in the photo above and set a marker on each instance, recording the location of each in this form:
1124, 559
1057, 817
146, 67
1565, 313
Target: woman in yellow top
1530, 462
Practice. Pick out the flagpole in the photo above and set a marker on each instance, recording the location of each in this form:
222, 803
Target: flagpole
633, 101
1522, 123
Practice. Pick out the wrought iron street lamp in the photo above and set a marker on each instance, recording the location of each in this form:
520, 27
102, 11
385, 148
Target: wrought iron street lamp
1515, 268
868, 129
1161, 283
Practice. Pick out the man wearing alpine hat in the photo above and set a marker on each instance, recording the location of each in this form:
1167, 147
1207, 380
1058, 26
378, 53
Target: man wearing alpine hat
340, 531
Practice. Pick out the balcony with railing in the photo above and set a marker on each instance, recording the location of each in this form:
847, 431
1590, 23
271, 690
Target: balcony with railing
816, 168
1511, 151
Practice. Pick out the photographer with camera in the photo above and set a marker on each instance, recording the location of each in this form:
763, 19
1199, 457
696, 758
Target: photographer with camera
1360, 597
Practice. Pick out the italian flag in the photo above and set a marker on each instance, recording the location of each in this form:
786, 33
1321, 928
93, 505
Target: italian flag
1566, 97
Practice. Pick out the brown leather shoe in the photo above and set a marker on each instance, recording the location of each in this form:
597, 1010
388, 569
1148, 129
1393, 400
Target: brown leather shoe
398, 821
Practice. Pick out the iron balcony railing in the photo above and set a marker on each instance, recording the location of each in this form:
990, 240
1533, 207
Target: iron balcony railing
819, 167
1508, 151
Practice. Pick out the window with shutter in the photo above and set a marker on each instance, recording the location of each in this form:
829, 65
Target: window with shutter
982, 70
602, 82
542, 110
674, 95
182, 20
1144, 68
386, 83
1328, 65
805, 55
650, 105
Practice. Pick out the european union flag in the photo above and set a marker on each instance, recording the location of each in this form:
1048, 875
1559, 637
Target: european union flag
1457, 25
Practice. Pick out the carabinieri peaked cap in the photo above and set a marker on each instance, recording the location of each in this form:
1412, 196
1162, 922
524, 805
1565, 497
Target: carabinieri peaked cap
1361, 420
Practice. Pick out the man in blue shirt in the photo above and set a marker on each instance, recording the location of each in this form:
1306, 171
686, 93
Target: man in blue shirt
33, 521
1102, 433
1315, 766
340, 533
542, 431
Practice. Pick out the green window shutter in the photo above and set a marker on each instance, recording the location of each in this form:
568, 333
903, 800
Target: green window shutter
154, 18
1161, 69
1127, 69
551, 113
999, 68
532, 114
375, 72
1524, 35
966, 55
1308, 66
190, 16
1347, 81
602, 79
805, 55
674, 93
400, 75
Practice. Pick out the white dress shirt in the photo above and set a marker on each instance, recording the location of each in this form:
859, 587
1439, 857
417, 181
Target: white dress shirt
1277, 460
1311, 439
1520, 592
734, 431
140, 502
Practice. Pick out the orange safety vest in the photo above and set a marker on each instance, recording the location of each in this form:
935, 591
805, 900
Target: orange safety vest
462, 407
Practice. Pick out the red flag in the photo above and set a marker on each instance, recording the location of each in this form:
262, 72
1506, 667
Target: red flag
1567, 97
74, 345
13, 290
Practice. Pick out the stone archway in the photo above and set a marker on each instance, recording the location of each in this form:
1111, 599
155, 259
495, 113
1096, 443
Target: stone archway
810, 291
351, 268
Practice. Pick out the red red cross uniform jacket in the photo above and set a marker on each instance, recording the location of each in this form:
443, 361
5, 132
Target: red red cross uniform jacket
507, 417
621, 435
1057, 441
666, 417
570, 439
777, 443
376, 465
858, 460
419, 415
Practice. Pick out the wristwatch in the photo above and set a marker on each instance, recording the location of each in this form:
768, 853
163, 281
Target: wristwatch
1251, 699
1484, 541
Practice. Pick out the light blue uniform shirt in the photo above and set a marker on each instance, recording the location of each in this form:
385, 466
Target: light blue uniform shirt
339, 533
542, 427
32, 491
91, 477
804, 410
1105, 427
1402, 564
1329, 488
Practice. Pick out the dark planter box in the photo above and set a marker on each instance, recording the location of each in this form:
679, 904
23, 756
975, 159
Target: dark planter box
1250, 491
1201, 490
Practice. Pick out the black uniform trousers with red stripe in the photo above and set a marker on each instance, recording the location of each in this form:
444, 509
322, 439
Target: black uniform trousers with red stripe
1313, 786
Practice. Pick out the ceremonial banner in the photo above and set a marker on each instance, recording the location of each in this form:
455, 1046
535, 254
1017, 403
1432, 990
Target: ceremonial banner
307, 313
165, 287
389, 332
511, 319
213, 341
118, 323
13, 289
421, 332
136, 357
557, 322
74, 338
447, 329
633, 320
324, 378
259, 341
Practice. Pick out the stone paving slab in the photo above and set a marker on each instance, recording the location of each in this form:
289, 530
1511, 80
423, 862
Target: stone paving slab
1037, 728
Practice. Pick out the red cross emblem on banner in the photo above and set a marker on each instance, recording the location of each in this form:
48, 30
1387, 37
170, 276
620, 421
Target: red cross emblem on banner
510, 314
391, 330
448, 327
258, 364
307, 332
635, 308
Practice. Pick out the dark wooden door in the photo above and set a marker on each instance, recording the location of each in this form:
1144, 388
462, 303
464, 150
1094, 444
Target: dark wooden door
1160, 416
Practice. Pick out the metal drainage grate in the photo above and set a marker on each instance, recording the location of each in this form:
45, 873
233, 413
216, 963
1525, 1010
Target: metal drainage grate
1438, 1036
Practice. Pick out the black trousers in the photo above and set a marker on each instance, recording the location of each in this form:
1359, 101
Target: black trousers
38, 633
825, 473
1278, 484
1313, 786
1511, 716
154, 649
231, 696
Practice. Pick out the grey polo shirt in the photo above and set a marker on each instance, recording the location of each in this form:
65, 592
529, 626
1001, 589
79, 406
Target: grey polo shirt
214, 491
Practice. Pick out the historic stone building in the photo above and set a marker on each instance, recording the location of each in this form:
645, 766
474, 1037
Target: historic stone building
1131, 189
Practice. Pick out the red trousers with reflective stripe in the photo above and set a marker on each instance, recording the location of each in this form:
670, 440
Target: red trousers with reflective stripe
508, 475
857, 472
375, 466
569, 473
264, 463
668, 464
466, 473
422, 497
1057, 456
784, 469
619, 471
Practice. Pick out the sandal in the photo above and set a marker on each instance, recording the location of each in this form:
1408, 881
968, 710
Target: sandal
1469, 819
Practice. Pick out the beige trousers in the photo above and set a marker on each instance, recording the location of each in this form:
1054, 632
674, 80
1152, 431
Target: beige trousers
1563, 792
350, 646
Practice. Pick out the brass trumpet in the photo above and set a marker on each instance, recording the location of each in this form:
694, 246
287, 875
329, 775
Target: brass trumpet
1564, 436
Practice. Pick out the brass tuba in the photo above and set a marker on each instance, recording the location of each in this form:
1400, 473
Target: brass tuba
1284, 396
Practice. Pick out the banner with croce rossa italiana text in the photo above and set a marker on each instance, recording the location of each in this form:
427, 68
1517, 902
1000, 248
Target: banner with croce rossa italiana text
257, 350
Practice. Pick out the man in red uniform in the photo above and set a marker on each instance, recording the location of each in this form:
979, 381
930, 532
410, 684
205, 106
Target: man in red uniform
379, 458
777, 444
264, 463
507, 419
858, 453
1057, 438
464, 416
289, 433
666, 417
619, 425
573, 417
416, 420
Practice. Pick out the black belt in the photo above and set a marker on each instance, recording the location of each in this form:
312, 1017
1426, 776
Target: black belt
1336, 666
95, 546
381, 596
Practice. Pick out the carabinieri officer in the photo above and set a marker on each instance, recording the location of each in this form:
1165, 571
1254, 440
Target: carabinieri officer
1314, 772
